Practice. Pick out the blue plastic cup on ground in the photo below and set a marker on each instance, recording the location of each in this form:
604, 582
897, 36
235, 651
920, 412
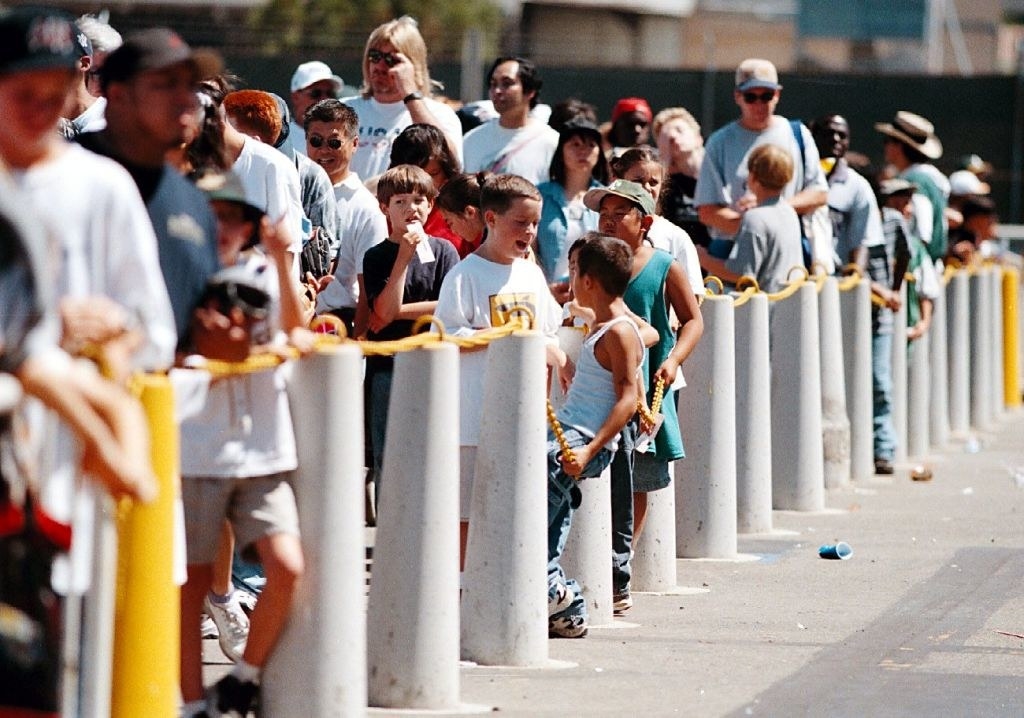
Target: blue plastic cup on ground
840, 550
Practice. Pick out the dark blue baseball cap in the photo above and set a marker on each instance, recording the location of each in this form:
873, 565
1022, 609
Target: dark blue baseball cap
37, 38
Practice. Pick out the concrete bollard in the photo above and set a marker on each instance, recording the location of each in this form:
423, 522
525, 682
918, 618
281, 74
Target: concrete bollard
654, 555
753, 416
413, 612
958, 339
797, 448
319, 665
938, 388
995, 289
706, 479
899, 376
835, 424
504, 587
1011, 338
855, 305
981, 363
918, 390
588, 549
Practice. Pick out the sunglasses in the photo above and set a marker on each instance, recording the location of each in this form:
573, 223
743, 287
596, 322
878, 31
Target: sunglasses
389, 59
317, 142
319, 94
751, 97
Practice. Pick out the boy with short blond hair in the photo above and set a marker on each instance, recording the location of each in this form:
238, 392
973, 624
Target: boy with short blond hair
768, 244
403, 277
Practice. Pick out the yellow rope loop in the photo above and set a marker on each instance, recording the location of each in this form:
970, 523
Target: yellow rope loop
556, 427
790, 289
800, 268
817, 265
877, 300
329, 324
850, 281
712, 279
819, 281
909, 278
949, 270
252, 364
740, 299
745, 281
852, 268
520, 310
428, 319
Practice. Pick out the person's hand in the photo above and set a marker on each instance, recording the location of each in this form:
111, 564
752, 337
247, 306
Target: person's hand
891, 299
302, 339
583, 456
586, 314
667, 372
218, 336
917, 331
404, 75
747, 201
317, 284
275, 237
560, 291
566, 372
376, 323
90, 320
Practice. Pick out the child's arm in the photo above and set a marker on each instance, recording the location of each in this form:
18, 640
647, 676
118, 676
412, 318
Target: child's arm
691, 324
918, 330
620, 352
387, 305
648, 334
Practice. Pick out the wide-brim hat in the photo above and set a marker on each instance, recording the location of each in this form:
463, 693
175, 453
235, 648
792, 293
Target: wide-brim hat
896, 185
36, 38
915, 131
632, 191
157, 49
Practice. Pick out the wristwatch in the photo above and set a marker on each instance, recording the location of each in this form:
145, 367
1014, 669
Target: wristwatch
412, 96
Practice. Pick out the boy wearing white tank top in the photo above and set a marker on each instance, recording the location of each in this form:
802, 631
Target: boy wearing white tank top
601, 399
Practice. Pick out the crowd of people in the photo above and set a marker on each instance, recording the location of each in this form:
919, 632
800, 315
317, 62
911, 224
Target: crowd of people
160, 216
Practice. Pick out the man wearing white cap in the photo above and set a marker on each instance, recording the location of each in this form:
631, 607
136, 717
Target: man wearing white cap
911, 146
722, 195
311, 82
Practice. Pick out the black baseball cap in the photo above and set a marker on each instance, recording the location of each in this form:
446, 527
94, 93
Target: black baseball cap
37, 38
156, 49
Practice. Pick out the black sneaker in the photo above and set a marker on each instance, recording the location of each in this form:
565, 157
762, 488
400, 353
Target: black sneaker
231, 698
622, 601
884, 467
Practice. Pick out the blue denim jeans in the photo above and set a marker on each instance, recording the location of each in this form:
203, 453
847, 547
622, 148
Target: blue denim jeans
380, 398
563, 498
623, 466
881, 384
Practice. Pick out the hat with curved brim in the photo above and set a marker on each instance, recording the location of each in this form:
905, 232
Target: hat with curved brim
632, 191
36, 38
915, 131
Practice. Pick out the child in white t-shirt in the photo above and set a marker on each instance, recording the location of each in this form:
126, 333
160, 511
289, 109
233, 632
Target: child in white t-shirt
484, 290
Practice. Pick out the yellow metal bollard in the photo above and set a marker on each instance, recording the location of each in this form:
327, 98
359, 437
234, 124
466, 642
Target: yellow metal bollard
147, 615
1011, 338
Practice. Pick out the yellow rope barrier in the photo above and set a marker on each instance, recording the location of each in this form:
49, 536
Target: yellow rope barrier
799, 268
790, 289
712, 279
747, 280
744, 297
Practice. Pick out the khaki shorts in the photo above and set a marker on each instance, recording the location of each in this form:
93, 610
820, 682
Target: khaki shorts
257, 507
467, 466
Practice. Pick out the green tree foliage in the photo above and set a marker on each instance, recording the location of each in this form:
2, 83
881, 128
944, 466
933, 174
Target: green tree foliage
344, 24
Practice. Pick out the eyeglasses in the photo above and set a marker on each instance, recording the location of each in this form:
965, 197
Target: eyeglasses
389, 59
316, 142
317, 93
751, 97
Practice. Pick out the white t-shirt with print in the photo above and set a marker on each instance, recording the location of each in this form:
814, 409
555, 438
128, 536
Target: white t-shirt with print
479, 294
524, 151
379, 125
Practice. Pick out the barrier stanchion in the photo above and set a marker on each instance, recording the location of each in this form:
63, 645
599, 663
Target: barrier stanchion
147, 614
958, 339
413, 614
995, 291
938, 355
706, 479
1011, 338
835, 423
588, 548
504, 586
899, 376
918, 389
753, 416
318, 667
97, 610
797, 448
981, 362
654, 555
855, 305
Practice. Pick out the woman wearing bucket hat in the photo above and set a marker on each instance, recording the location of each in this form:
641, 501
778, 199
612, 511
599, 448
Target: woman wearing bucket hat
910, 146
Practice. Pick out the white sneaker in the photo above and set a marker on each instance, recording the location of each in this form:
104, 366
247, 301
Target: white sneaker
208, 629
232, 625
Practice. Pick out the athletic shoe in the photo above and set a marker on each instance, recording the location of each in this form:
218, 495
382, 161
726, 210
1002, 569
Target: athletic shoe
562, 600
232, 625
208, 629
884, 467
622, 601
567, 627
231, 698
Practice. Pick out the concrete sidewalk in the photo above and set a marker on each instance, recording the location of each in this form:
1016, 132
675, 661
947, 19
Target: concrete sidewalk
909, 626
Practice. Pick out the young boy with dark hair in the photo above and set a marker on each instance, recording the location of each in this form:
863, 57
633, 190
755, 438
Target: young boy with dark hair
601, 399
403, 278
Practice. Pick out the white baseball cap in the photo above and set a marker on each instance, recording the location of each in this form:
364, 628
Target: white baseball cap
309, 72
965, 182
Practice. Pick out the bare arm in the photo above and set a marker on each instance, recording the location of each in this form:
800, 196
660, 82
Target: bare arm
362, 318
691, 324
277, 242
388, 303
717, 216
808, 200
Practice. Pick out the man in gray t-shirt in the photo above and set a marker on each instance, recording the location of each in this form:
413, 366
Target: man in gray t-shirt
722, 196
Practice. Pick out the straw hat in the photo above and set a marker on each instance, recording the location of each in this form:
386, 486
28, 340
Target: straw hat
915, 131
